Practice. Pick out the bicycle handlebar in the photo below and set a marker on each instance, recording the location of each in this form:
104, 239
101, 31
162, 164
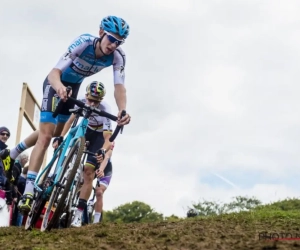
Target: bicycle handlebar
80, 104
93, 109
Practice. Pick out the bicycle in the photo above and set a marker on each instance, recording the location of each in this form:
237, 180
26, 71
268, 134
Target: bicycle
67, 157
67, 216
74, 193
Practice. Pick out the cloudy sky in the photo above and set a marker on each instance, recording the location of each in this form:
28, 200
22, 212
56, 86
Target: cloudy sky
213, 91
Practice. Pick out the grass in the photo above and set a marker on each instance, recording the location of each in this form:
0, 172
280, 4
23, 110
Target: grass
244, 230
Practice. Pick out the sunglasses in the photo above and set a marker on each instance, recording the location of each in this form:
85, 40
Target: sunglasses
5, 134
113, 39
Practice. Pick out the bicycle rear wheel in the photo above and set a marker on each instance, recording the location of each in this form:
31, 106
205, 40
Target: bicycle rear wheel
71, 164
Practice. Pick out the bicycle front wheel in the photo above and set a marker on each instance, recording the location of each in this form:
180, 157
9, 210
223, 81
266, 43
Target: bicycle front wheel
39, 199
59, 195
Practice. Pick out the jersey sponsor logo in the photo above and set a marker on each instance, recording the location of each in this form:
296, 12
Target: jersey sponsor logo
82, 66
44, 104
78, 42
82, 72
85, 69
69, 55
47, 89
88, 57
122, 71
54, 103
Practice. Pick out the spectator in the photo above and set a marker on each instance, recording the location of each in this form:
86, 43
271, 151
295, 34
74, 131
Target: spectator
20, 162
5, 165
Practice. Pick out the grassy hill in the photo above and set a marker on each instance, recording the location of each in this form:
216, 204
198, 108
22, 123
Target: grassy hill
256, 229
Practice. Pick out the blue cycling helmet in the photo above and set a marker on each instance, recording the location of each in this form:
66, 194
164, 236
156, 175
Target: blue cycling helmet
115, 25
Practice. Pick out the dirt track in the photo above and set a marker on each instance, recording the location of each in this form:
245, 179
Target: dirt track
218, 233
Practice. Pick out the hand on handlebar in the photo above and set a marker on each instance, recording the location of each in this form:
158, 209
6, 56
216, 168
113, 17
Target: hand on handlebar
123, 120
62, 93
57, 141
100, 155
55, 144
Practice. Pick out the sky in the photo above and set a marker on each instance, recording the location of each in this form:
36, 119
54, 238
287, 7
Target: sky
212, 88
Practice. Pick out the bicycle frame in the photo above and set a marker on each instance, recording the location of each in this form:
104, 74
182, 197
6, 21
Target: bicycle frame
62, 155
74, 133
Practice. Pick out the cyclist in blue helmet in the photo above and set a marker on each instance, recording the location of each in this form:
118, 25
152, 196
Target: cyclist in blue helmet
85, 56
115, 28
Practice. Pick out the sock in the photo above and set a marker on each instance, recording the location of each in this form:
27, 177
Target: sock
31, 176
78, 213
18, 150
80, 208
97, 217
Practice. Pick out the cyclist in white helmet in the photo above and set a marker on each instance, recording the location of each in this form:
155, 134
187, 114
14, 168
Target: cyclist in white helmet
98, 132
85, 56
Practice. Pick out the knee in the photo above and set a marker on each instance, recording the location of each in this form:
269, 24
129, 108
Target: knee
44, 138
88, 174
44, 141
99, 193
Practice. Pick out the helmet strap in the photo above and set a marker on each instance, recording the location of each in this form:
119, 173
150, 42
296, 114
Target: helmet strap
100, 40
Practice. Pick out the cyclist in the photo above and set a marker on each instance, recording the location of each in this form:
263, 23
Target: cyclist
98, 133
86, 55
104, 174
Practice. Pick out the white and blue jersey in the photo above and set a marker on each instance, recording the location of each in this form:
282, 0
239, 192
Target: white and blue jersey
80, 61
76, 64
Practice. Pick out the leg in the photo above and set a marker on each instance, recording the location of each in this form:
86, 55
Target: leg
31, 140
35, 162
22, 146
103, 185
99, 203
46, 130
95, 142
85, 193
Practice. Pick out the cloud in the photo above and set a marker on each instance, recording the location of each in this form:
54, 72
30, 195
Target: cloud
212, 88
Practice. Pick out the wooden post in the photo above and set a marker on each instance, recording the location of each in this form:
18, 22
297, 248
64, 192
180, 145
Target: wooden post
27, 106
21, 113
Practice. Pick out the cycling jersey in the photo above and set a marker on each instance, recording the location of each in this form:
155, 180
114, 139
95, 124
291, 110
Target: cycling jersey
76, 64
96, 122
80, 61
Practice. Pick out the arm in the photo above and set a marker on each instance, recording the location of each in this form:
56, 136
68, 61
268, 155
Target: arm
107, 144
54, 78
105, 161
119, 78
120, 96
107, 131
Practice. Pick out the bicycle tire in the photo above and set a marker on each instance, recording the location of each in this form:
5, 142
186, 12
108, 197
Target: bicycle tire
79, 145
39, 203
90, 215
74, 196
73, 201
53, 196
